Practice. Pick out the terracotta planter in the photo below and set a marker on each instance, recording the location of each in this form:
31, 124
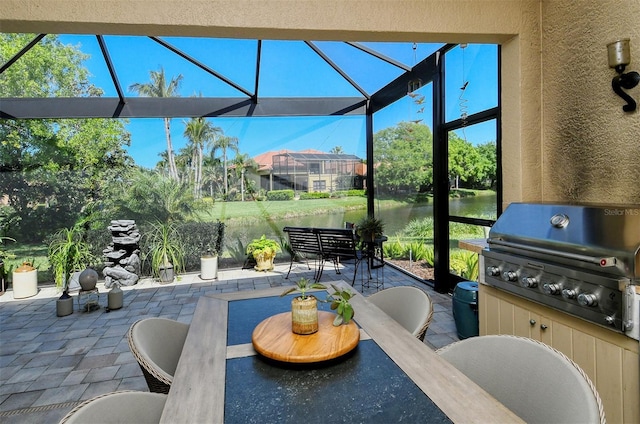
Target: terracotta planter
304, 315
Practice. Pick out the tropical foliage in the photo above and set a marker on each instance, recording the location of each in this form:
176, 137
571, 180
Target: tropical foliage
52, 170
159, 87
404, 163
69, 252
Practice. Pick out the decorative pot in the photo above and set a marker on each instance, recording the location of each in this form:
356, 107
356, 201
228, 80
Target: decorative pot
304, 315
25, 281
64, 305
88, 279
264, 262
208, 267
114, 298
166, 274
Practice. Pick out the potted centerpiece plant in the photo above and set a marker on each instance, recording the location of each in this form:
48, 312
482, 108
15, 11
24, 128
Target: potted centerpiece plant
304, 308
212, 249
370, 228
165, 251
68, 253
264, 251
339, 300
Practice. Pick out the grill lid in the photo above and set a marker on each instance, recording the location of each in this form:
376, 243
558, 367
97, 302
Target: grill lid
599, 237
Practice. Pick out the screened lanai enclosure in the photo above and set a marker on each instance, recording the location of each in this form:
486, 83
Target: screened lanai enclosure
406, 132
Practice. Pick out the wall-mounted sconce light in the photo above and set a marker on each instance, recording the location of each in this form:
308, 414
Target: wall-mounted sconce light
619, 58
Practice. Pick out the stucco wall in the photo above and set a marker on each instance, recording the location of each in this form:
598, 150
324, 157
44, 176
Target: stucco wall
591, 148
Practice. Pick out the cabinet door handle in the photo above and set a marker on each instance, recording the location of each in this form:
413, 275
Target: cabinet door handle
532, 321
543, 327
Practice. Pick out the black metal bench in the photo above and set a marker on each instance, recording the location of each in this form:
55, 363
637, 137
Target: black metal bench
338, 244
303, 242
324, 244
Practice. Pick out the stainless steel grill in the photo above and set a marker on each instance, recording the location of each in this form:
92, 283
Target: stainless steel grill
580, 259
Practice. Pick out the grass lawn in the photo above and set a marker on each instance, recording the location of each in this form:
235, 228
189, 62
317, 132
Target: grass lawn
247, 211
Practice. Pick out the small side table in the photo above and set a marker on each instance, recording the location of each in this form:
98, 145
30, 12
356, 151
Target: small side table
373, 253
92, 300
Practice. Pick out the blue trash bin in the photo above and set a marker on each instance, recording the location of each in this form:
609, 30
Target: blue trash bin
465, 309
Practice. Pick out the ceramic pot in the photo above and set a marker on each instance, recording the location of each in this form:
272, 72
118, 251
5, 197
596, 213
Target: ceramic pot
88, 279
166, 274
25, 281
304, 315
114, 298
208, 267
64, 305
264, 263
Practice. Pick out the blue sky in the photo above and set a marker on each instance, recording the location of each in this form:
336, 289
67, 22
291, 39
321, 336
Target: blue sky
290, 68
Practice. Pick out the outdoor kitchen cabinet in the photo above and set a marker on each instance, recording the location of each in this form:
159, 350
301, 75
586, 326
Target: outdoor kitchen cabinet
609, 358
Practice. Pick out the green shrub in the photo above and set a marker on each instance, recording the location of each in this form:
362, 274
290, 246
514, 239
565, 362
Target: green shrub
355, 192
315, 195
465, 264
419, 228
393, 250
280, 195
199, 238
419, 251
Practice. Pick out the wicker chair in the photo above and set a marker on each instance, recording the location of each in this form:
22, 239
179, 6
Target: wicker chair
119, 407
410, 306
537, 382
157, 343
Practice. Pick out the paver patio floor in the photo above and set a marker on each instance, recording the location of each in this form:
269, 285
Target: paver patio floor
49, 364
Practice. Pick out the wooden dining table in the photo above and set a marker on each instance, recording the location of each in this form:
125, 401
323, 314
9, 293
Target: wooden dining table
390, 376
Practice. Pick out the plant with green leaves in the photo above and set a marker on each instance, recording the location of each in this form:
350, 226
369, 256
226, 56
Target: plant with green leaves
303, 285
165, 248
263, 248
465, 264
69, 252
3, 253
370, 228
340, 303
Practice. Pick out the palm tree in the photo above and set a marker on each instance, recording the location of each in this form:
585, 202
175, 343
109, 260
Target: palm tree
241, 163
158, 87
226, 143
200, 133
212, 175
337, 150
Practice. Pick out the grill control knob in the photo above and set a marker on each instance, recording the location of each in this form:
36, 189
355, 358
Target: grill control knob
493, 271
569, 293
530, 282
587, 299
551, 288
510, 276
610, 319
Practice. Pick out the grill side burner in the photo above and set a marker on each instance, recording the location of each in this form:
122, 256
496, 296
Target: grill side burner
582, 260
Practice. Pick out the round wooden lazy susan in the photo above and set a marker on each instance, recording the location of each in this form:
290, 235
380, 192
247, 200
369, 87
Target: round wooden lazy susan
274, 339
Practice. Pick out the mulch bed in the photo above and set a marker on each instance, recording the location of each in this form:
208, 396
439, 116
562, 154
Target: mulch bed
418, 268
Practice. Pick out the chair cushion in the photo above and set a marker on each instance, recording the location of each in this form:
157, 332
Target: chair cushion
409, 306
160, 341
535, 381
119, 407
